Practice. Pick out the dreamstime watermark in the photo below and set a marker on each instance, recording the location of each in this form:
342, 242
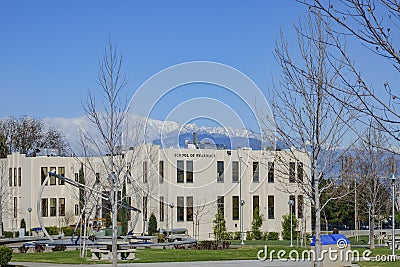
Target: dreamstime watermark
333, 253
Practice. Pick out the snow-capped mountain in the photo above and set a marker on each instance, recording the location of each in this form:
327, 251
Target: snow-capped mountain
164, 133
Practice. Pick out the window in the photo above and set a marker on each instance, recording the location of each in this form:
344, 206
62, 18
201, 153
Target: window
145, 172
161, 171
129, 201
293, 208
300, 171
292, 172
19, 176
145, 208
52, 178
162, 211
300, 204
10, 177
61, 172
235, 171
179, 171
221, 204
256, 172
15, 207
189, 171
45, 207
235, 207
189, 209
256, 204
180, 210
271, 209
15, 176
271, 169
77, 177
43, 174
61, 207
220, 171
97, 179
76, 209
53, 207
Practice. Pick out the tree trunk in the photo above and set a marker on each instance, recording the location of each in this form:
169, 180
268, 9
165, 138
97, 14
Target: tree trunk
371, 230
318, 245
114, 227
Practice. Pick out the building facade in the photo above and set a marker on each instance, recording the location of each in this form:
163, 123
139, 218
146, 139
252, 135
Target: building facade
184, 188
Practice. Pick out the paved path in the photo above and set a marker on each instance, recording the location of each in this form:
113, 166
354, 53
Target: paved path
241, 263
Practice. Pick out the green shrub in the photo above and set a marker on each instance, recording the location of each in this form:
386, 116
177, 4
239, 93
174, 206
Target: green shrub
23, 224
68, 230
273, 236
228, 236
5, 255
249, 235
237, 235
8, 234
52, 230
152, 230
287, 226
160, 238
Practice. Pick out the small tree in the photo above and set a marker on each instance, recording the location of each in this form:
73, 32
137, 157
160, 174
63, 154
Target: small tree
287, 227
23, 224
108, 220
152, 225
5, 255
219, 226
256, 223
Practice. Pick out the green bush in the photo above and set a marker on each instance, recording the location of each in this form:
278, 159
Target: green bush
152, 230
160, 238
68, 230
228, 236
52, 230
237, 235
287, 227
8, 234
249, 235
273, 236
23, 224
5, 255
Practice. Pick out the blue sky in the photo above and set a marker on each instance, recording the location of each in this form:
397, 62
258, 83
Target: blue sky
49, 50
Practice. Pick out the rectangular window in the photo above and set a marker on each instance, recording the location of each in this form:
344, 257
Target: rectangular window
161, 171
220, 171
145, 170
53, 207
61, 206
129, 201
256, 203
43, 174
97, 179
300, 205
235, 171
221, 204
300, 171
19, 176
180, 209
53, 178
45, 207
189, 209
292, 172
10, 179
256, 172
61, 172
162, 209
271, 209
189, 171
76, 209
145, 199
271, 170
293, 207
15, 207
128, 173
15, 176
235, 207
77, 177
180, 171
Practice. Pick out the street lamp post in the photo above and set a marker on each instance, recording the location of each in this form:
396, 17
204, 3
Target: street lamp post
393, 219
30, 221
171, 205
291, 202
369, 222
242, 202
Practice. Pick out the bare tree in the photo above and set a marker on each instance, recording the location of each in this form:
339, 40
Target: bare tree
309, 122
110, 121
375, 24
5, 192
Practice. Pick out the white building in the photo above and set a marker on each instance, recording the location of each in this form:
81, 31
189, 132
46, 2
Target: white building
182, 187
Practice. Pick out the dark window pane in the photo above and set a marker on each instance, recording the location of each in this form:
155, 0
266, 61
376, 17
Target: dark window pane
180, 171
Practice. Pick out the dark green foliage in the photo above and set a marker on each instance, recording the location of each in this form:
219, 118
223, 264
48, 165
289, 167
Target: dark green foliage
23, 224
219, 226
5, 255
273, 236
286, 227
108, 220
123, 212
68, 230
8, 234
236, 235
152, 225
256, 223
52, 230
249, 235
